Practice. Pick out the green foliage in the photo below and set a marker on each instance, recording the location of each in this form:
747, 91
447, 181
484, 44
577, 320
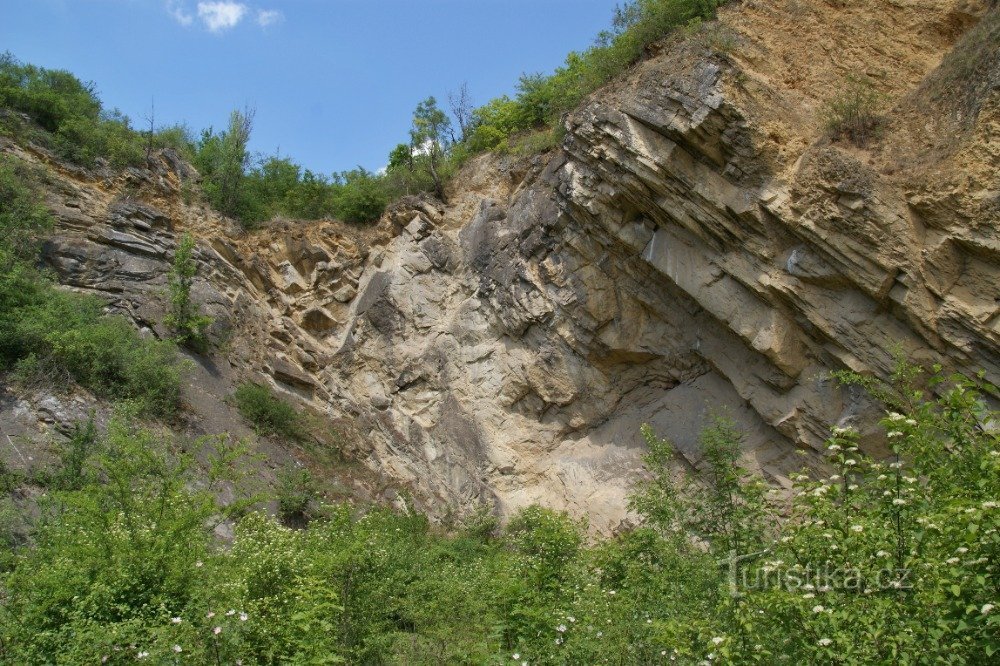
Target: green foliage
72, 472
427, 161
530, 123
223, 160
184, 318
71, 118
115, 554
725, 506
50, 97
883, 561
268, 413
429, 137
23, 216
175, 137
494, 122
541, 100
912, 539
730, 510
853, 113
277, 186
48, 334
359, 196
296, 489
102, 353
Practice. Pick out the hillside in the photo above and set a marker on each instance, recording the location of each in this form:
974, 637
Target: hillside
702, 241
697, 242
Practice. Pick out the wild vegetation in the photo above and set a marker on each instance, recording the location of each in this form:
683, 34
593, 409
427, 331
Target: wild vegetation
882, 561
66, 116
268, 413
854, 113
48, 335
184, 318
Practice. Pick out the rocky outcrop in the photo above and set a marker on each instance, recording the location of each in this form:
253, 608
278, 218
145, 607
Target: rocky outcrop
696, 245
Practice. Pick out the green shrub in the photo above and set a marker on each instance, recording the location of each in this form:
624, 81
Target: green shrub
495, 121
853, 113
50, 97
359, 196
23, 216
72, 472
103, 353
113, 557
277, 186
176, 137
268, 413
126, 548
296, 490
311, 198
184, 317
83, 140
223, 160
541, 100
70, 112
537, 142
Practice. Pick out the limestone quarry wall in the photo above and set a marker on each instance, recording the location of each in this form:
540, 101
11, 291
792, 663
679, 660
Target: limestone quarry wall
697, 244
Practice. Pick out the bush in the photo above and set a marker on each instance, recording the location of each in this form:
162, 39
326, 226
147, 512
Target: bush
123, 558
72, 472
23, 216
70, 112
311, 198
113, 557
854, 112
495, 121
223, 160
277, 186
296, 490
102, 353
541, 100
184, 318
175, 137
50, 97
359, 196
268, 413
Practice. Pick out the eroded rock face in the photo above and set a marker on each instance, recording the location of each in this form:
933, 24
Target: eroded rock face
695, 245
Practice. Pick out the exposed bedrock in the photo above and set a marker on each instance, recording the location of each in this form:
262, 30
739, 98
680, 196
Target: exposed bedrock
670, 260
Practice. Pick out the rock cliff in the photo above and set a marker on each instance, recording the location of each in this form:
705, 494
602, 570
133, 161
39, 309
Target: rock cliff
697, 243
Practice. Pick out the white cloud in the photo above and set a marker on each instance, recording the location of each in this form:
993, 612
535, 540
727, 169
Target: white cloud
176, 9
266, 17
219, 16
424, 148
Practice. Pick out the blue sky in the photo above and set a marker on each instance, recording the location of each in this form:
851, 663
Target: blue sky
333, 81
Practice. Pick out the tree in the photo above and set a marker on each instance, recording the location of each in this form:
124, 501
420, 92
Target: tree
234, 159
224, 160
360, 196
429, 139
727, 510
184, 318
461, 107
271, 186
151, 132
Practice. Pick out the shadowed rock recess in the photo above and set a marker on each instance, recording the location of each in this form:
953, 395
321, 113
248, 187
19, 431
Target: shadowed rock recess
697, 243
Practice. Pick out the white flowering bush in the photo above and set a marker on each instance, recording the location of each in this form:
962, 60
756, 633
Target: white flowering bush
893, 560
